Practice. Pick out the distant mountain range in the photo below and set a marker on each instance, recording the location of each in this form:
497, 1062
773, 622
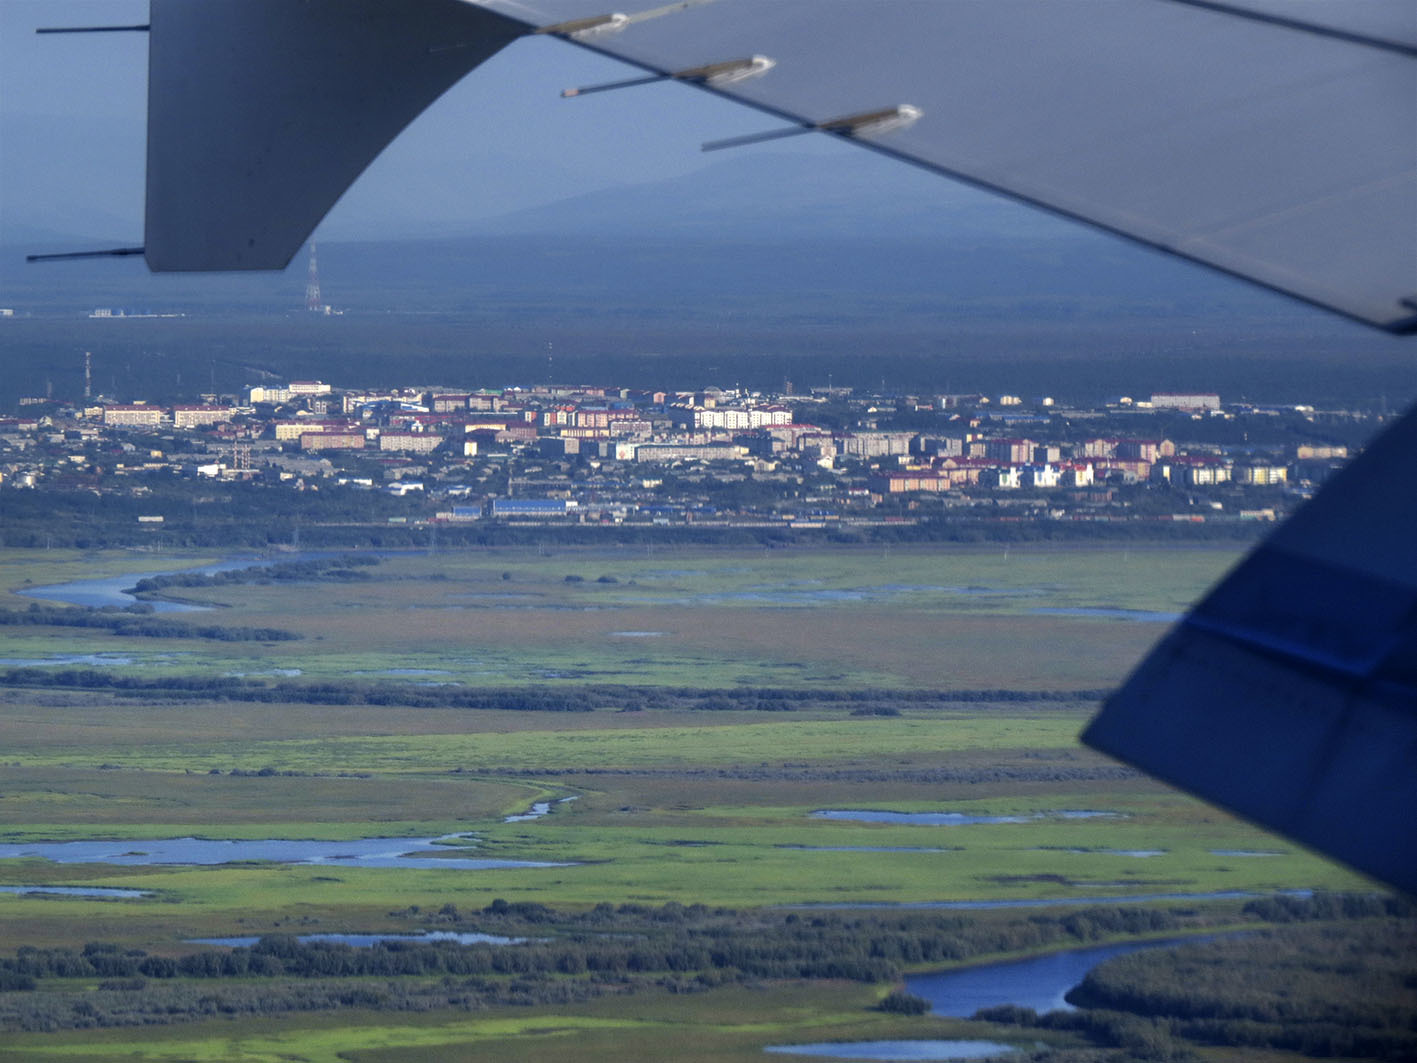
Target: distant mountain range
464, 190
756, 195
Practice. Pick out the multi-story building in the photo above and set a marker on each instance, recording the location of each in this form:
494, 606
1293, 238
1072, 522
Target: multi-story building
136, 415
867, 445
332, 440
1261, 475
668, 452
1013, 451
410, 442
1172, 400
288, 430
1143, 449
899, 481
196, 416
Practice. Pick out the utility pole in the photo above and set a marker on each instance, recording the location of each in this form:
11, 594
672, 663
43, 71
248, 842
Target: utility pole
313, 301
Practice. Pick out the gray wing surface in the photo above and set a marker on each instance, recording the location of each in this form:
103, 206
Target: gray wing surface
1289, 694
1272, 139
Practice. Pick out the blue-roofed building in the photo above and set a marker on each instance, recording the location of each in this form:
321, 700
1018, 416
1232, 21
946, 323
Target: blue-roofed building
532, 507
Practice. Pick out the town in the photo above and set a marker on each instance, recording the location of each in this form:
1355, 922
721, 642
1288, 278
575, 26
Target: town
829, 457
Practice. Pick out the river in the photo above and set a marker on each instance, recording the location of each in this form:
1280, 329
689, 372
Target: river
112, 590
1038, 983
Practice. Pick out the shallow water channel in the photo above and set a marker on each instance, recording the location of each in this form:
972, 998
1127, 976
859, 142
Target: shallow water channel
112, 590
950, 819
896, 1051
364, 941
423, 853
1038, 983
74, 891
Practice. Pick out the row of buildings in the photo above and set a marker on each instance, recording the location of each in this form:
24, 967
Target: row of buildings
586, 451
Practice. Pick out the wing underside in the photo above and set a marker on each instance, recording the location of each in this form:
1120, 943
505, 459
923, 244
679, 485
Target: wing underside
1289, 695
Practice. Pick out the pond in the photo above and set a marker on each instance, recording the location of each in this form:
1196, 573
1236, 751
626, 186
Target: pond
869, 849
949, 819
73, 891
1042, 902
363, 852
1145, 616
789, 594
364, 941
93, 660
891, 1051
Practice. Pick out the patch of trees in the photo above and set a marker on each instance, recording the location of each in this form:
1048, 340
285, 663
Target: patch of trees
899, 1002
347, 569
1337, 977
1321, 990
564, 956
620, 948
137, 622
258, 515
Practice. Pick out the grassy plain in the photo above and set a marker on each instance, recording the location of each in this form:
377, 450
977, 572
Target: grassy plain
709, 806
729, 1025
882, 617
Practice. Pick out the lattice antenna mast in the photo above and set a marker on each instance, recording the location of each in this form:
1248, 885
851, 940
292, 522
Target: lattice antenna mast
312, 286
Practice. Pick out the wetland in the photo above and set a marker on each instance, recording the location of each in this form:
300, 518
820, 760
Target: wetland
700, 705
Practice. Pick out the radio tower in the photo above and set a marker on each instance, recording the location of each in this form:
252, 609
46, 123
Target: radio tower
88, 375
313, 302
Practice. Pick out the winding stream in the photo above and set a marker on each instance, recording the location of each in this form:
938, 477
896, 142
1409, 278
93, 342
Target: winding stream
111, 590
1038, 983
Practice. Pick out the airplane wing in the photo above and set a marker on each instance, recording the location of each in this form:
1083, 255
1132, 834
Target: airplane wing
1271, 139
262, 112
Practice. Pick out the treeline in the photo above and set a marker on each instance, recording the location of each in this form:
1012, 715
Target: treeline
522, 699
1311, 989
564, 956
137, 622
346, 569
261, 516
1337, 978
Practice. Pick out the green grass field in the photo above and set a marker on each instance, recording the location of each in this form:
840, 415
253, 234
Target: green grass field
709, 806
728, 1025
897, 618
